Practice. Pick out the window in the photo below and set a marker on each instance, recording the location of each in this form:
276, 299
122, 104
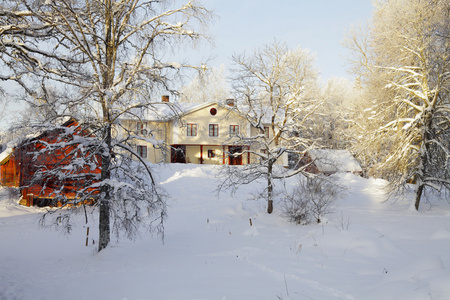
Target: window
142, 128
142, 151
211, 153
267, 131
213, 111
263, 151
213, 129
234, 130
191, 129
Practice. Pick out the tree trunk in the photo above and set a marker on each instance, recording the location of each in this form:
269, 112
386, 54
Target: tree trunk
104, 229
269, 188
418, 196
424, 150
105, 195
107, 75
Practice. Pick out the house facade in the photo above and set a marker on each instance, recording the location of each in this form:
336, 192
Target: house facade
206, 133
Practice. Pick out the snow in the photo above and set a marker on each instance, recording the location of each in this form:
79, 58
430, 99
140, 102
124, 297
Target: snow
367, 249
328, 160
5, 154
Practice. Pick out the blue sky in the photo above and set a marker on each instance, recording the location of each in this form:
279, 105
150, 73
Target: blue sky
320, 26
243, 25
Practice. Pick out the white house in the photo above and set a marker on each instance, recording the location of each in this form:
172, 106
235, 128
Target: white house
203, 133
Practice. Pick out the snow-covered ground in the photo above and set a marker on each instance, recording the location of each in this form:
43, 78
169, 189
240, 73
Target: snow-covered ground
367, 249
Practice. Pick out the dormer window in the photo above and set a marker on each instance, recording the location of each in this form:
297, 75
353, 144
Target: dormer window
213, 111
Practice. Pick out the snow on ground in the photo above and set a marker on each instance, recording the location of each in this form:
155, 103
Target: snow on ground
367, 249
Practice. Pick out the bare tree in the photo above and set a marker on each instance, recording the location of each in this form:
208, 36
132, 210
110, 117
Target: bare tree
402, 60
311, 198
274, 89
333, 122
208, 85
98, 60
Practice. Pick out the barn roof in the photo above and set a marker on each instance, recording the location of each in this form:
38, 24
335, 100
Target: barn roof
4, 156
330, 160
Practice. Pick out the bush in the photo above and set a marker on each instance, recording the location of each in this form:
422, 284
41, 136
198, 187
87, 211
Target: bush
310, 200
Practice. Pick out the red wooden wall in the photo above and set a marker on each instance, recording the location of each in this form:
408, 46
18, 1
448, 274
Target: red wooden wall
32, 156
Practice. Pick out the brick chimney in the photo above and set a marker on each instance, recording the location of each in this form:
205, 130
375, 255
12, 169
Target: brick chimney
165, 98
229, 102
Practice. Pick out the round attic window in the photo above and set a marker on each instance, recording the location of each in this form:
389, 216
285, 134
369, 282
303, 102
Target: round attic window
213, 111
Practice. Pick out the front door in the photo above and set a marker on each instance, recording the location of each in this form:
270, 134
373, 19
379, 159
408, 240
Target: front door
235, 160
178, 154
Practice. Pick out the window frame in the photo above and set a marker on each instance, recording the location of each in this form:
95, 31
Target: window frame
211, 153
234, 132
140, 151
215, 125
267, 131
192, 126
142, 127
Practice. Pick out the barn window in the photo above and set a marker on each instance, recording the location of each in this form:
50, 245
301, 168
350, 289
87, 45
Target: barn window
213, 130
234, 130
211, 153
142, 151
191, 129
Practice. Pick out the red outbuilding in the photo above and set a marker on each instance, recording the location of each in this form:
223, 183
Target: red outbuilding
28, 165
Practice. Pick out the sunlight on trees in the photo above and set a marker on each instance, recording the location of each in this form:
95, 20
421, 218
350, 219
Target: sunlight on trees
402, 61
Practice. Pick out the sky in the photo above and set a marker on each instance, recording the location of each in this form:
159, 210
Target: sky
319, 26
244, 25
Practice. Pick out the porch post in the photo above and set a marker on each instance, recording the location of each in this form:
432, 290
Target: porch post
248, 155
201, 154
223, 154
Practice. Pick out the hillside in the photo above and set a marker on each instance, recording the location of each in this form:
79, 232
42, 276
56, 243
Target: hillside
367, 249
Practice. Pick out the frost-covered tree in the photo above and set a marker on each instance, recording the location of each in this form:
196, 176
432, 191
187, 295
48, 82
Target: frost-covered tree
402, 61
333, 123
275, 91
100, 60
207, 85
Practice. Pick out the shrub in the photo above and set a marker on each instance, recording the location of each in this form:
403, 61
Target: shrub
311, 199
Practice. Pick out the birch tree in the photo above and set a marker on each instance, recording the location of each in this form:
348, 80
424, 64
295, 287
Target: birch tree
402, 60
274, 88
99, 60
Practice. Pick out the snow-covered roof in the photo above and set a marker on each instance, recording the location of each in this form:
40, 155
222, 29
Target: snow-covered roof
330, 160
164, 111
5, 155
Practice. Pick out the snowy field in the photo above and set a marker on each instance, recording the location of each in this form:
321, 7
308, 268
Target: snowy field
367, 249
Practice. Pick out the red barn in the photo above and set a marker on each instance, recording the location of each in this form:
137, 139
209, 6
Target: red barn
51, 167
